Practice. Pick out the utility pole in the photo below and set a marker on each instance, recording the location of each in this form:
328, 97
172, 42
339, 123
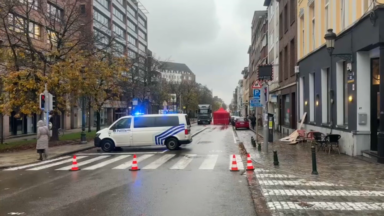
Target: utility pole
47, 105
264, 93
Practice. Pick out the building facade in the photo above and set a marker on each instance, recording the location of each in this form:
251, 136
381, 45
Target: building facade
176, 72
286, 92
239, 99
340, 90
245, 105
258, 52
273, 56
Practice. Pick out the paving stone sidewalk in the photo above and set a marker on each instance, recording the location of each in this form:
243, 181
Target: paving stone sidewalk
345, 185
30, 156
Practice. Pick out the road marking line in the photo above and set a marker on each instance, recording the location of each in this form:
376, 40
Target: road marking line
125, 153
84, 162
339, 206
362, 193
209, 162
164, 151
128, 164
159, 162
105, 163
55, 164
301, 182
184, 161
260, 170
234, 137
240, 165
36, 164
274, 176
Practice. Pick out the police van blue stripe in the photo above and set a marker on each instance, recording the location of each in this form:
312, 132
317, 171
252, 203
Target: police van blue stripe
173, 133
169, 132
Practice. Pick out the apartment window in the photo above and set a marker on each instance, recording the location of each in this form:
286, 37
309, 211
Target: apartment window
292, 57
131, 40
100, 18
132, 54
142, 35
120, 1
120, 48
281, 26
102, 38
118, 14
34, 4
286, 70
286, 18
342, 14
16, 23
345, 89
313, 34
104, 3
54, 12
34, 30
326, 15
131, 11
142, 47
131, 25
292, 14
303, 34
51, 37
142, 22
119, 31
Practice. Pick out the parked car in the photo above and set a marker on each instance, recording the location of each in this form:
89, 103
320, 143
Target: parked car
233, 119
241, 123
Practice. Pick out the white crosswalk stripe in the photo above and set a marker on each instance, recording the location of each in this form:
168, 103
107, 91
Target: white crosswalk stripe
128, 164
280, 200
36, 164
209, 162
84, 162
184, 161
105, 163
55, 164
159, 162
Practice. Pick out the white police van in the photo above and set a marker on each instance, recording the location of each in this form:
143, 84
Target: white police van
170, 130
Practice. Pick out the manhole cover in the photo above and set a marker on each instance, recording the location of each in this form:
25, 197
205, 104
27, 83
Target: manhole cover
204, 142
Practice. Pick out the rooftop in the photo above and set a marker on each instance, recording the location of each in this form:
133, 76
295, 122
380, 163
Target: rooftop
175, 66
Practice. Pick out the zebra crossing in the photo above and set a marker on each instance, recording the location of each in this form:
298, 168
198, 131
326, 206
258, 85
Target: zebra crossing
123, 162
290, 195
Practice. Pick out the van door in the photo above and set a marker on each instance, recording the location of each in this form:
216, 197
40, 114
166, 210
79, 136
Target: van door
121, 132
143, 130
166, 126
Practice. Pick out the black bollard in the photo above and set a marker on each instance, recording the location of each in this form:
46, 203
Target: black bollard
314, 165
275, 158
258, 146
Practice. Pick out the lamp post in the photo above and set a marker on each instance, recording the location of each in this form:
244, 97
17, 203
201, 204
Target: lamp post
83, 137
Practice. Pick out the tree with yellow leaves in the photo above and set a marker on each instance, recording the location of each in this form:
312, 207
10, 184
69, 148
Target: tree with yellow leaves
102, 77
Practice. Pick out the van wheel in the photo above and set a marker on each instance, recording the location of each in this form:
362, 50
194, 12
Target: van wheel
107, 145
172, 144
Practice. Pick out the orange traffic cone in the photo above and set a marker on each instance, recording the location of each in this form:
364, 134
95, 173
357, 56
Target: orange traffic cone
134, 164
249, 163
234, 164
74, 164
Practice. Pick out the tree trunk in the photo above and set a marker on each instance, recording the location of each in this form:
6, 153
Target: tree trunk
1, 128
89, 115
98, 120
55, 127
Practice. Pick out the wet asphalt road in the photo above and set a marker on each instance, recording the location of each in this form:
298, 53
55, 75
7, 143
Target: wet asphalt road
194, 181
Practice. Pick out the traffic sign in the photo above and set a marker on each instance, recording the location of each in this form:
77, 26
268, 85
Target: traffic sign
256, 93
255, 102
256, 85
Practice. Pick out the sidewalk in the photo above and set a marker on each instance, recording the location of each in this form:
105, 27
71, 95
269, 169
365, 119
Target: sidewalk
334, 168
30, 156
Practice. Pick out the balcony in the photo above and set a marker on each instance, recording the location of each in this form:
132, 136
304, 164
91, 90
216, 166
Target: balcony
134, 6
101, 27
142, 28
132, 32
118, 22
131, 17
117, 4
142, 40
120, 39
101, 8
142, 15
132, 47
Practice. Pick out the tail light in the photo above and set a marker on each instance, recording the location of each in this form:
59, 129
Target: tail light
186, 131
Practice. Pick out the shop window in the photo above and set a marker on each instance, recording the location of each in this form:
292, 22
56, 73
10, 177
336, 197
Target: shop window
375, 72
346, 95
287, 110
311, 97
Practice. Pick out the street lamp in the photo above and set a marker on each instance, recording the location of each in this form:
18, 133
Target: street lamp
83, 137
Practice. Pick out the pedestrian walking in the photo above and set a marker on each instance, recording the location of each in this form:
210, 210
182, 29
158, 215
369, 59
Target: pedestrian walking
253, 121
42, 139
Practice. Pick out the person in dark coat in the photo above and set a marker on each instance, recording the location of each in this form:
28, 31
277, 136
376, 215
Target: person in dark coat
253, 121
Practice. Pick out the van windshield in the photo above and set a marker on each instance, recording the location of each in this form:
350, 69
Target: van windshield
187, 120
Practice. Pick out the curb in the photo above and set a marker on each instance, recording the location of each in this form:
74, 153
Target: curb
199, 131
56, 156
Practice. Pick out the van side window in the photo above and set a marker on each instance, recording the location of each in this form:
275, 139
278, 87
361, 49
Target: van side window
187, 119
166, 121
143, 122
122, 124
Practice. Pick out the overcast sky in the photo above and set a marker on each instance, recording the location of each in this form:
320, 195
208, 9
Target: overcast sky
210, 36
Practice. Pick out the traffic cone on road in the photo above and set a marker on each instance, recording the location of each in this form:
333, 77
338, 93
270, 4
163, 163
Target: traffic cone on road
134, 164
234, 164
74, 164
249, 163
